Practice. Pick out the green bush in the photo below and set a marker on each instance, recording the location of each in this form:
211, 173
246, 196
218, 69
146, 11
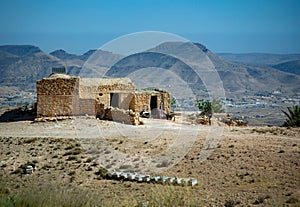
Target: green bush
292, 200
293, 116
102, 172
6, 202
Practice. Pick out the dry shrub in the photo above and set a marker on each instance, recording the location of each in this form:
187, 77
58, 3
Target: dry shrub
169, 196
55, 194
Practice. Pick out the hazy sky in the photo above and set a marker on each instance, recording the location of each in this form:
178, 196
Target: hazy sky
222, 25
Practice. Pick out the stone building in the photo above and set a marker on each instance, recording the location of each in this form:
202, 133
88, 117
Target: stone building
112, 99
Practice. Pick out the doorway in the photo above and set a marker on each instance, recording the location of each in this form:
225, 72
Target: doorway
114, 100
153, 102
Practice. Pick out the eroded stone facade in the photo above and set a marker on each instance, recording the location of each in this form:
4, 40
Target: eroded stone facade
112, 99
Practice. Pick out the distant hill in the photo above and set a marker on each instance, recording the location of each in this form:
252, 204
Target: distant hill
290, 67
63, 55
237, 77
71, 62
22, 65
20, 50
263, 59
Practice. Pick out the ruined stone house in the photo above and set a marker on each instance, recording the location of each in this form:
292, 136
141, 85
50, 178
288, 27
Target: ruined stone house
106, 98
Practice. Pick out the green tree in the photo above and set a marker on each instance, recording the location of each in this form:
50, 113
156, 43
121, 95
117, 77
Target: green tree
293, 116
172, 103
209, 107
217, 106
204, 106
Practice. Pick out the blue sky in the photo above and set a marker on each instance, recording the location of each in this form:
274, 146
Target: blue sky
238, 26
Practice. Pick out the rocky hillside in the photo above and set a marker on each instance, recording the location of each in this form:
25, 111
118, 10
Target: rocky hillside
237, 78
290, 66
259, 58
21, 66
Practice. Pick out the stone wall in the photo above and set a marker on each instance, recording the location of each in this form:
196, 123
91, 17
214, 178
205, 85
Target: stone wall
116, 85
142, 101
62, 95
167, 102
103, 99
58, 86
55, 105
56, 96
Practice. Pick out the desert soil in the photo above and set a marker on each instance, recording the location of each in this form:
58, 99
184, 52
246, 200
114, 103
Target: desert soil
245, 166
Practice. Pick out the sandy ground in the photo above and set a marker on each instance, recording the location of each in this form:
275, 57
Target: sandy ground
249, 166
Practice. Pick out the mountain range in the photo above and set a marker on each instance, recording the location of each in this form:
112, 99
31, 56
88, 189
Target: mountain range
262, 59
22, 65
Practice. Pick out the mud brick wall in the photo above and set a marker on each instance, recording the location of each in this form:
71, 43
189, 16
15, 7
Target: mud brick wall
87, 92
86, 106
56, 96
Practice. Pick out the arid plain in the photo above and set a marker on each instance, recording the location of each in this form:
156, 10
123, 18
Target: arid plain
245, 166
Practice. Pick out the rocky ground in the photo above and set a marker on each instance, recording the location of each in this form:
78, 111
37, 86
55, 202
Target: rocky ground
235, 166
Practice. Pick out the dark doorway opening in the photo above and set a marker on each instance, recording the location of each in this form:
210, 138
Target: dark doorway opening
153, 102
114, 100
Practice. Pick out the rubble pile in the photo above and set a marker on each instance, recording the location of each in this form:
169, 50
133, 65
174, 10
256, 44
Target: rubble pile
122, 115
220, 119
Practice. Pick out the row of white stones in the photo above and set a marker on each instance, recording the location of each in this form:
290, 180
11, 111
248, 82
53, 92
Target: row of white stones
147, 178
